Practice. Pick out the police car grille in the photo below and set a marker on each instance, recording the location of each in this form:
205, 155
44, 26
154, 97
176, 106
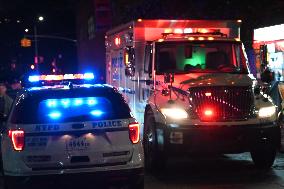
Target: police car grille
227, 103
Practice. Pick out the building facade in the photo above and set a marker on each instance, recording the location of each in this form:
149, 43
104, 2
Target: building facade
93, 20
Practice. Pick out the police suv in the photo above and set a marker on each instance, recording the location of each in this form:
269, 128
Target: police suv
63, 129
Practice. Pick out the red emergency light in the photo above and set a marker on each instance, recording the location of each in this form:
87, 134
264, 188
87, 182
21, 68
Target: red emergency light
117, 41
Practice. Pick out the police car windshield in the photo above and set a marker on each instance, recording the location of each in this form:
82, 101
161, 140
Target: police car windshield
200, 57
61, 106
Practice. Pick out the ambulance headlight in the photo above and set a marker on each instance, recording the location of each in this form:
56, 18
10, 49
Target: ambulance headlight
266, 112
174, 113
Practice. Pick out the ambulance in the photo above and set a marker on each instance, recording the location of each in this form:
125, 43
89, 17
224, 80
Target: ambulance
188, 82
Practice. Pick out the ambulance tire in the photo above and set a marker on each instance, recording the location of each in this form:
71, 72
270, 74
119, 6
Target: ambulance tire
155, 159
264, 156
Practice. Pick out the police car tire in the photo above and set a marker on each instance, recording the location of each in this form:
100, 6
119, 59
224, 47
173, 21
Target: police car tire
154, 158
264, 156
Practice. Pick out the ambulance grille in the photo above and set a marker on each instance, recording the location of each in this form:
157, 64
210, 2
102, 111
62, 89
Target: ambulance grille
227, 103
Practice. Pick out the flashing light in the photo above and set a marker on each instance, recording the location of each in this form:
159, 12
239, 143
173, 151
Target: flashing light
54, 115
96, 113
34, 78
188, 30
203, 30
168, 30
32, 67
208, 94
91, 102
178, 31
134, 132
174, 113
126, 58
51, 103
208, 112
65, 102
52, 77
267, 112
117, 41
18, 139
89, 76
78, 102
86, 76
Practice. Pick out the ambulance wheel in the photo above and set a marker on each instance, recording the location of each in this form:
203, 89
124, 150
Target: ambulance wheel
155, 159
263, 156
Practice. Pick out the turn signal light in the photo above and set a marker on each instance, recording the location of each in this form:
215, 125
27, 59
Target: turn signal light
134, 132
18, 139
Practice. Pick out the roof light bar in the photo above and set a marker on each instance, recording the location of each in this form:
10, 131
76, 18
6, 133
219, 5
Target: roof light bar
37, 78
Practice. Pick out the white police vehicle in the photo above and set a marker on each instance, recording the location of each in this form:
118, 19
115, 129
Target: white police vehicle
63, 129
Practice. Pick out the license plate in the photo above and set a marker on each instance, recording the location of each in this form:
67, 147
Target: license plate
78, 144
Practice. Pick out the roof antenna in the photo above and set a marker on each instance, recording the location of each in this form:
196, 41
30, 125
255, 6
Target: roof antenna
70, 85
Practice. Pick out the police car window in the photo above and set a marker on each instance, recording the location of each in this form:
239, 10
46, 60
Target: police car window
36, 109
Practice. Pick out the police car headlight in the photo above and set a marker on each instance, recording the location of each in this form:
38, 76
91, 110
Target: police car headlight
266, 112
174, 113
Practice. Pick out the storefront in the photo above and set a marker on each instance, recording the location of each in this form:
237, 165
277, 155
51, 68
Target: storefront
269, 50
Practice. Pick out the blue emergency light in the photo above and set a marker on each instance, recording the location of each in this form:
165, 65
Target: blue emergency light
37, 78
59, 109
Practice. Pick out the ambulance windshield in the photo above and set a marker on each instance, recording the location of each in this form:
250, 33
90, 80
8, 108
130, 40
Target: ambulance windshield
200, 57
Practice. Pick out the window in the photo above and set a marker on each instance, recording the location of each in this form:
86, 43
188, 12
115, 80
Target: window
69, 106
209, 57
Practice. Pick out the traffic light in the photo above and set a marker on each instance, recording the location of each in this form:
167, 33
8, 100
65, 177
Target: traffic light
26, 42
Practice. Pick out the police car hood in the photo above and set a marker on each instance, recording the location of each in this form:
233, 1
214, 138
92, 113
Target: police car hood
213, 79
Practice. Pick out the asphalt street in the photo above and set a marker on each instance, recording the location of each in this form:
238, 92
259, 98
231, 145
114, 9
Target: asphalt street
218, 172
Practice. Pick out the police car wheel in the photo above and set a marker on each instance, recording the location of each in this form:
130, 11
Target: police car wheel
11, 182
264, 156
154, 158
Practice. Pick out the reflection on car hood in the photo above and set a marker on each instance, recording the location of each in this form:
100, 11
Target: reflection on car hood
213, 79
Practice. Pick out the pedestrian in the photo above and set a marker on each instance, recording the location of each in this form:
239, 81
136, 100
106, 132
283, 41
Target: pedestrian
5, 102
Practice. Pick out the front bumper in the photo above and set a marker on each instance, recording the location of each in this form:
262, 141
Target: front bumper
216, 139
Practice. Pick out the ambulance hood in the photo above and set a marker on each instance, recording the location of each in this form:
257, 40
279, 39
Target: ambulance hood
212, 79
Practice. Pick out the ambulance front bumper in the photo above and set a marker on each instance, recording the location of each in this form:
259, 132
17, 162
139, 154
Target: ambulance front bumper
182, 139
